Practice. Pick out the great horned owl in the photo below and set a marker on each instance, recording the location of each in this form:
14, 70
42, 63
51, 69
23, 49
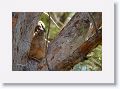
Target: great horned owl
37, 48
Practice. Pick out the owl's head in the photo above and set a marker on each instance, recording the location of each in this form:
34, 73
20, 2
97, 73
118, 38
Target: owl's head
40, 28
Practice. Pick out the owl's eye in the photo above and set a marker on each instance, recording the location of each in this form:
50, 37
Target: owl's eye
42, 26
39, 28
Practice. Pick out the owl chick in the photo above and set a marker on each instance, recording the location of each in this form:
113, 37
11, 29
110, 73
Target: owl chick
37, 48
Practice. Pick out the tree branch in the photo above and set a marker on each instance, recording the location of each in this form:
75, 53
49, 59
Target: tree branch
80, 52
63, 52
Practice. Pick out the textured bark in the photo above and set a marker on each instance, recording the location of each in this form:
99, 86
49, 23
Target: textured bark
23, 25
81, 52
63, 52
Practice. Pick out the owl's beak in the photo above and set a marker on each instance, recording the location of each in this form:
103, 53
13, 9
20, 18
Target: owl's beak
44, 30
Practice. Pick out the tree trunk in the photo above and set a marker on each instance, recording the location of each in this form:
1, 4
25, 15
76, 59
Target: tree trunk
63, 52
23, 25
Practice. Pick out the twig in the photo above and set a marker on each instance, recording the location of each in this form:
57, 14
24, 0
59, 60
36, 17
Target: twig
47, 43
93, 22
52, 20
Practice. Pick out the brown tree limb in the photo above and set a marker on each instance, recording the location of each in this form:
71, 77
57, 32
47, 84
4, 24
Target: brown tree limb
80, 52
63, 52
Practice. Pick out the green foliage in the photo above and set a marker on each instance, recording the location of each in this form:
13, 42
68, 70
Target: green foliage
60, 18
93, 62
54, 32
